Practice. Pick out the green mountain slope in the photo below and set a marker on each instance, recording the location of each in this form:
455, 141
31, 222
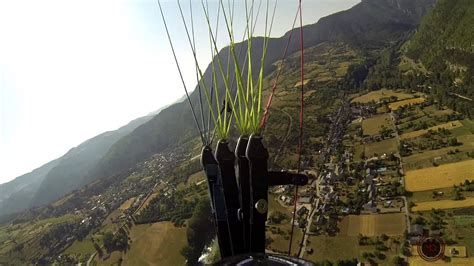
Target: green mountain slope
367, 27
444, 44
378, 23
447, 28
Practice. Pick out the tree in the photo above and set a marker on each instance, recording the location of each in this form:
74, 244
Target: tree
398, 261
453, 142
99, 250
200, 231
109, 241
457, 194
277, 217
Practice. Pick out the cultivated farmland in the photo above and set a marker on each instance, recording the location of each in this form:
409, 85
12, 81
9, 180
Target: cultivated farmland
127, 203
385, 146
442, 176
373, 225
440, 156
396, 105
443, 204
373, 125
152, 243
449, 125
381, 94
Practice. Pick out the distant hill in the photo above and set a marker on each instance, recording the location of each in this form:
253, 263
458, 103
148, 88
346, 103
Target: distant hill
58, 177
69, 173
16, 195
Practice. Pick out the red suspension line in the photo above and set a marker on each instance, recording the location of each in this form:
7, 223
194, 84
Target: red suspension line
264, 120
300, 143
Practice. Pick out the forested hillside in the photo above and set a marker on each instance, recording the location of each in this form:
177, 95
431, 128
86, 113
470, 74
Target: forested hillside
444, 43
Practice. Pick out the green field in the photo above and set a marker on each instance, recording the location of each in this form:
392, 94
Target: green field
385, 146
152, 244
427, 195
466, 129
373, 125
281, 241
345, 247
381, 94
27, 234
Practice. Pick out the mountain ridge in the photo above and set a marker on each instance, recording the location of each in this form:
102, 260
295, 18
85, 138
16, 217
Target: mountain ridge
156, 135
175, 123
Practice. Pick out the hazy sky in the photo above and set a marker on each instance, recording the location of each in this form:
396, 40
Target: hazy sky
70, 70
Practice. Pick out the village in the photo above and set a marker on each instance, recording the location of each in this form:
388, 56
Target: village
361, 192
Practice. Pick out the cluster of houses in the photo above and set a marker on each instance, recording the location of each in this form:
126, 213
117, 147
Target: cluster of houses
327, 202
370, 187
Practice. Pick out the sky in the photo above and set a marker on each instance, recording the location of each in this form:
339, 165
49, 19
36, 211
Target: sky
70, 70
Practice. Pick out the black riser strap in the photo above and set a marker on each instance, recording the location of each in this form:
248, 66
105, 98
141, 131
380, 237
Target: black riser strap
216, 193
258, 156
226, 159
244, 188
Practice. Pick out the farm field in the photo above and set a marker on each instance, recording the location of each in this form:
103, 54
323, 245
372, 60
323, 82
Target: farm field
468, 128
280, 241
445, 175
449, 125
425, 159
427, 195
396, 105
443, 204
416, 260
373, 125
81, 248
195, 178
334, 248
373, 225
27, 234
127, 204
381, 94
385, 146
153, 244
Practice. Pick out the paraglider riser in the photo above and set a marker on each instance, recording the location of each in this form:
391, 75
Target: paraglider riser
240, 202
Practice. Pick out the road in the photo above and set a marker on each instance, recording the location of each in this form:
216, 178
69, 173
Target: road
402, 179
91, 258
334, 139
307, 229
